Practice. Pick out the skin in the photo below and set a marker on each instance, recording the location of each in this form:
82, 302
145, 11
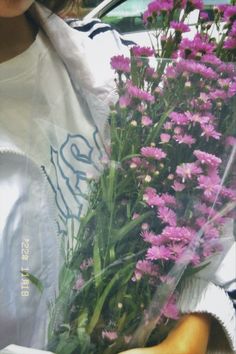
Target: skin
17, 33
190, 336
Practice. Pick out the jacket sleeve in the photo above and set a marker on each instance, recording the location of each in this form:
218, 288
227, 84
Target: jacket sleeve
28, 244
211, 291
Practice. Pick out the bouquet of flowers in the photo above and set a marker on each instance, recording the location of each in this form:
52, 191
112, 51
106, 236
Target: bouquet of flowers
156, 213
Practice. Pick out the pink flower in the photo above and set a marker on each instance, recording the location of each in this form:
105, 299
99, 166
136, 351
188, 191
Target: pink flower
188, 171
197, 4
167, 216
196, 117
158, 6
211, 59
136, 92
124, 101
152, 199
209, 248
109, 335
138, 51
177, 249
146, 267
228, 193
230, 13
150, 237
232, 89
158, 252
179, 26
178, 187
153, 152
209, 131
208, 185
230, 141
146, 121
230, 43
218, 94
79, 283
179, 118
207, 159
165, 138
169, 199
120, 63
176, 233
170, 309
185, 139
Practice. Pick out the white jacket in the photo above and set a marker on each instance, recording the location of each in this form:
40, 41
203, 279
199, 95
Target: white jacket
95, 84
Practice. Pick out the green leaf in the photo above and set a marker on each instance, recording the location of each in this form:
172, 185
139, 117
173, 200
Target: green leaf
97, 262
157, 128
130, 226
34, 281
67, 344
100, 304
191, 271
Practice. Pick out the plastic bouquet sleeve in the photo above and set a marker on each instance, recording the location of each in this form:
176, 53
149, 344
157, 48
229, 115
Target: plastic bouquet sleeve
15, 349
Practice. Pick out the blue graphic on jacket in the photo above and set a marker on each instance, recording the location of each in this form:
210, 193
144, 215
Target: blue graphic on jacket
75, 161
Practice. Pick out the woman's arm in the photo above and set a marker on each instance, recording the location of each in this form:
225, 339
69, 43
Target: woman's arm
190, 336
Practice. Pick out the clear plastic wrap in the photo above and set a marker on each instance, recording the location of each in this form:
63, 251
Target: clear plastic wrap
159, 211
126, 222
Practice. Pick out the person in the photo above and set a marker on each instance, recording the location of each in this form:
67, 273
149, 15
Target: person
56, 86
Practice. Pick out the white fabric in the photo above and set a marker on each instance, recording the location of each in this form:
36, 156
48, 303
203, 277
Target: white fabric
15, 349
72, 93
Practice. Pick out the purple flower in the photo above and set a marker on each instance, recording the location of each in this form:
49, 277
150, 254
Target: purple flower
204, 16
109, 335
124, 101
207, 159
177, 233
170, 309
188, 170
230, 13
218, 94
165, 138
209, 186
158, 6
153, 239
196, 117
197, 4
151, 198
230, 141
179, 26
136, 92
185, 139
232, 89
179, 118
230, 43
167, 216
138, 51
209, 131
177, 249
146, 267
120, 63
178, 187
211, 59
153, 152
146, 121
158, 252
228, 193
169, 199
79, 283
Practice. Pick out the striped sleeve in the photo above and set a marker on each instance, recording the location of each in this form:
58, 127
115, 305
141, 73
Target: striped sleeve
95, 28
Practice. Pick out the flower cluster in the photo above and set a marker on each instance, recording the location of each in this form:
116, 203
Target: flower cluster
161, 203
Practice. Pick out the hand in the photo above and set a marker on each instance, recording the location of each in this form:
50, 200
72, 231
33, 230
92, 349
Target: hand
190, 336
